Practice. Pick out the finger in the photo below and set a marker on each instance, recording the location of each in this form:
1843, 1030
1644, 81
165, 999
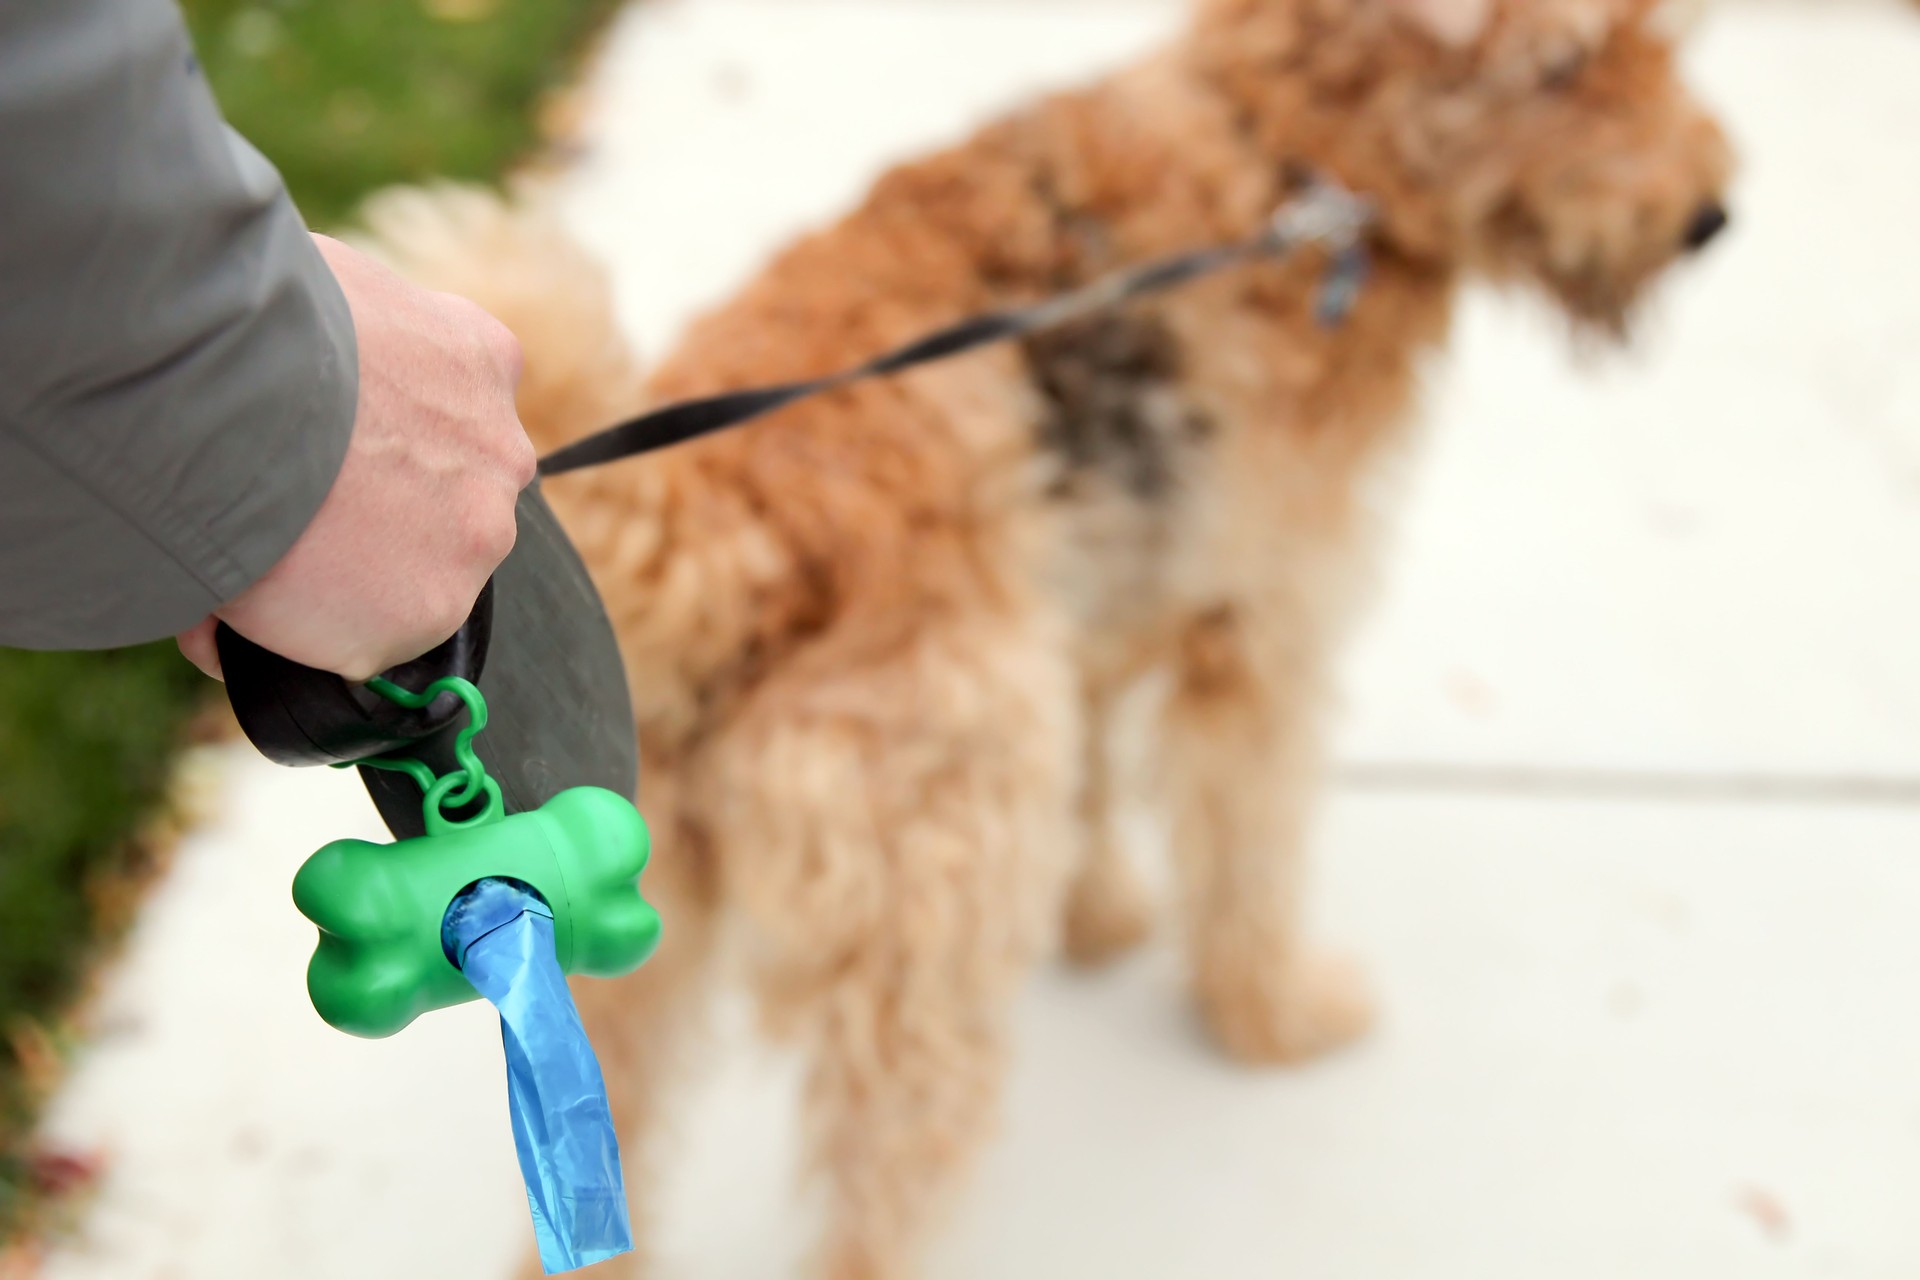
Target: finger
198, 647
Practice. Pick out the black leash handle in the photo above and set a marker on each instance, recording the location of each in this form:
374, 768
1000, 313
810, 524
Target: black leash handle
1323, 214
296, 715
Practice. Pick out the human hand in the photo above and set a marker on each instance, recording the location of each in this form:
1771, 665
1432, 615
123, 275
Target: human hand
423, 509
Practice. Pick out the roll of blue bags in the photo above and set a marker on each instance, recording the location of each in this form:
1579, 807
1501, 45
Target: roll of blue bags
500, 934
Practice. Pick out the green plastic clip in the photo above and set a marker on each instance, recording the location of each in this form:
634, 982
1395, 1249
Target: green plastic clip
380, 962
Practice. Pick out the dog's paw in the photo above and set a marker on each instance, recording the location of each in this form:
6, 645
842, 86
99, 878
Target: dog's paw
1326, 1005
1107, 915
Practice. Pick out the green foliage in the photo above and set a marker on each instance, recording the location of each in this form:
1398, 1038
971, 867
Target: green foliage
347, 96
85, 746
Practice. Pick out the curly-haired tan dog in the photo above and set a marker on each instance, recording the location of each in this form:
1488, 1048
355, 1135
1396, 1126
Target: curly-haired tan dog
874, 642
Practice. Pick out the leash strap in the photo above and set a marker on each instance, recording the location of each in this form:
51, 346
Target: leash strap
1322, 214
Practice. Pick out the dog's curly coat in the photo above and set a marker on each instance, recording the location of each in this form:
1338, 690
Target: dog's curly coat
874, 643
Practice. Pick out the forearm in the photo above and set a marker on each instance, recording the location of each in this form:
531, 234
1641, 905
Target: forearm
177, 364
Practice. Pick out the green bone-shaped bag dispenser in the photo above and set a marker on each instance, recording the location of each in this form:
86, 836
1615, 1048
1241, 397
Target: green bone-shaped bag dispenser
382, 961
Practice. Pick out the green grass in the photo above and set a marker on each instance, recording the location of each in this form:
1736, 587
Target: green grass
350, 95
86, 741
345, 96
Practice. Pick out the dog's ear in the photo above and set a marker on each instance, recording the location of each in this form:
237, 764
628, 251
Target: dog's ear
1451, 22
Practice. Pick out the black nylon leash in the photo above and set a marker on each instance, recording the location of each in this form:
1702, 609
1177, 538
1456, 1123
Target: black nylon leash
1323, 214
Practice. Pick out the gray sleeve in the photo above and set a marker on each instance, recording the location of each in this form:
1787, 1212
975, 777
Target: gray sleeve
177, 365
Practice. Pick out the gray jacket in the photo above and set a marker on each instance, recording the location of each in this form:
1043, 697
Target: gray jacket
177, 368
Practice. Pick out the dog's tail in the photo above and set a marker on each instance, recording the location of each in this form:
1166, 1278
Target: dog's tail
510, 255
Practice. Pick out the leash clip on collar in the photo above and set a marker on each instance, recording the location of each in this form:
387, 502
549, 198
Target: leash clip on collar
1325, 214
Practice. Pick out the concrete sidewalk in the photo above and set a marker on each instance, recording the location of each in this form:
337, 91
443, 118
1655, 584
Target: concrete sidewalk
1629, 825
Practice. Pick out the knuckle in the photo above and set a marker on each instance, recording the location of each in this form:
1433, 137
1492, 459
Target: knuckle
448, 613
467, 313
496, 343
451, 619
506, 349
523, 461
365, 664
491, 530
501, 538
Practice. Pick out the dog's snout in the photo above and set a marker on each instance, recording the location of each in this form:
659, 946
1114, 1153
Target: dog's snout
1708, 221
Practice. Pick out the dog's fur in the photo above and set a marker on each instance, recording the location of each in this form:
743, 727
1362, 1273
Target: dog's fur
875, 643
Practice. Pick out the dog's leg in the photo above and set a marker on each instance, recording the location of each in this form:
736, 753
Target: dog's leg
1108, 909
1242, 742
897, 838
641, 1026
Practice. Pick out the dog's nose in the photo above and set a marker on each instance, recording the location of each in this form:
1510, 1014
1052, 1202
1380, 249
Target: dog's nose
1709, 221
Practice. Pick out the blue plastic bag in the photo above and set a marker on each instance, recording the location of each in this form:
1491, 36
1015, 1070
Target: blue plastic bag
500, 934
